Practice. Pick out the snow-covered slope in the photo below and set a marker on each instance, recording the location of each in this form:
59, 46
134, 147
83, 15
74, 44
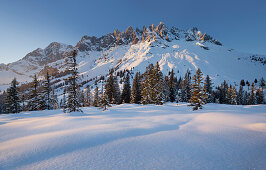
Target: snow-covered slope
135, 49
136, 137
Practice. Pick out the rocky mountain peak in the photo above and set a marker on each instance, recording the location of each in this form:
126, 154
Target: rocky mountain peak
152, 32
53, 52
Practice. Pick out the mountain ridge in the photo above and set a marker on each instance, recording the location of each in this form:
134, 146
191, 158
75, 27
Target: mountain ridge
136, 48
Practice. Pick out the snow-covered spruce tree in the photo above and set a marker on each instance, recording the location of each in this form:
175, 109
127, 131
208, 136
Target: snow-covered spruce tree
240, 95
82, 99
172, 87
103, 102
245, 98
112, 90
54, 100
136, 89
47, 92
2, 102
35, 99
12, 99
223, 93
73, 101
198, 94
88, 100
208, 89
186, 88
125, 96
147, 86
63, 104
252, 98
96, 100
153, 86
232, 96
259, 96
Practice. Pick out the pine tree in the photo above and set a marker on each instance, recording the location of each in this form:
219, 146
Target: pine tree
259, 96
223, 93
47, 92
147, 86
33, 103
125, 97
242, 82
171, 85
240, 95
153, 86
96, 97
112, 90
103, 102
64, 105
116, 93
82, 99
54, 100
88, 97
252, 99
73, 103
198, 94
232, 97
186, 87
136, 89
158, 92
245, 98
208, 89
12, 99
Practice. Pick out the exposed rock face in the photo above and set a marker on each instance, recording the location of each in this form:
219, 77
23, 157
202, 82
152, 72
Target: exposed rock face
88, 43
53, 52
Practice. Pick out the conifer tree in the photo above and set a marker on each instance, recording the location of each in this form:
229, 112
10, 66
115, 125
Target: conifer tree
136, 89
153, 86
147, 86
198, 94
54, 100
240, 95
117, 93
242, 82
245, 98
96, 97
12, 99
259, 96
252, 98
223, 96
208, 89
112, 90
186, 87
47, 92
34, 101
103, 102
232, 96
88, 97
64, 105
125, 97
82, 99
73, 103
172, 89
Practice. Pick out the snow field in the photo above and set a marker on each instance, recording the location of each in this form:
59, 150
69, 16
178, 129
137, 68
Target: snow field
133, 136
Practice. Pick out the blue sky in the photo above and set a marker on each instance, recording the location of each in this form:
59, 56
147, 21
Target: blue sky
28, 24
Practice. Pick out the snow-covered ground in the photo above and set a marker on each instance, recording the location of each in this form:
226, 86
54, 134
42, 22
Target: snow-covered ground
136, 137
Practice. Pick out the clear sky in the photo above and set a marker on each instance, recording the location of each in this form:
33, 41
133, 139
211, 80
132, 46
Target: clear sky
28, 24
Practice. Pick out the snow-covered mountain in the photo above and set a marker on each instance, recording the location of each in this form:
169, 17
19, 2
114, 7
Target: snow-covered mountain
135, 49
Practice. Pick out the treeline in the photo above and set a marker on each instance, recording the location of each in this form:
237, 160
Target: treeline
150, 87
